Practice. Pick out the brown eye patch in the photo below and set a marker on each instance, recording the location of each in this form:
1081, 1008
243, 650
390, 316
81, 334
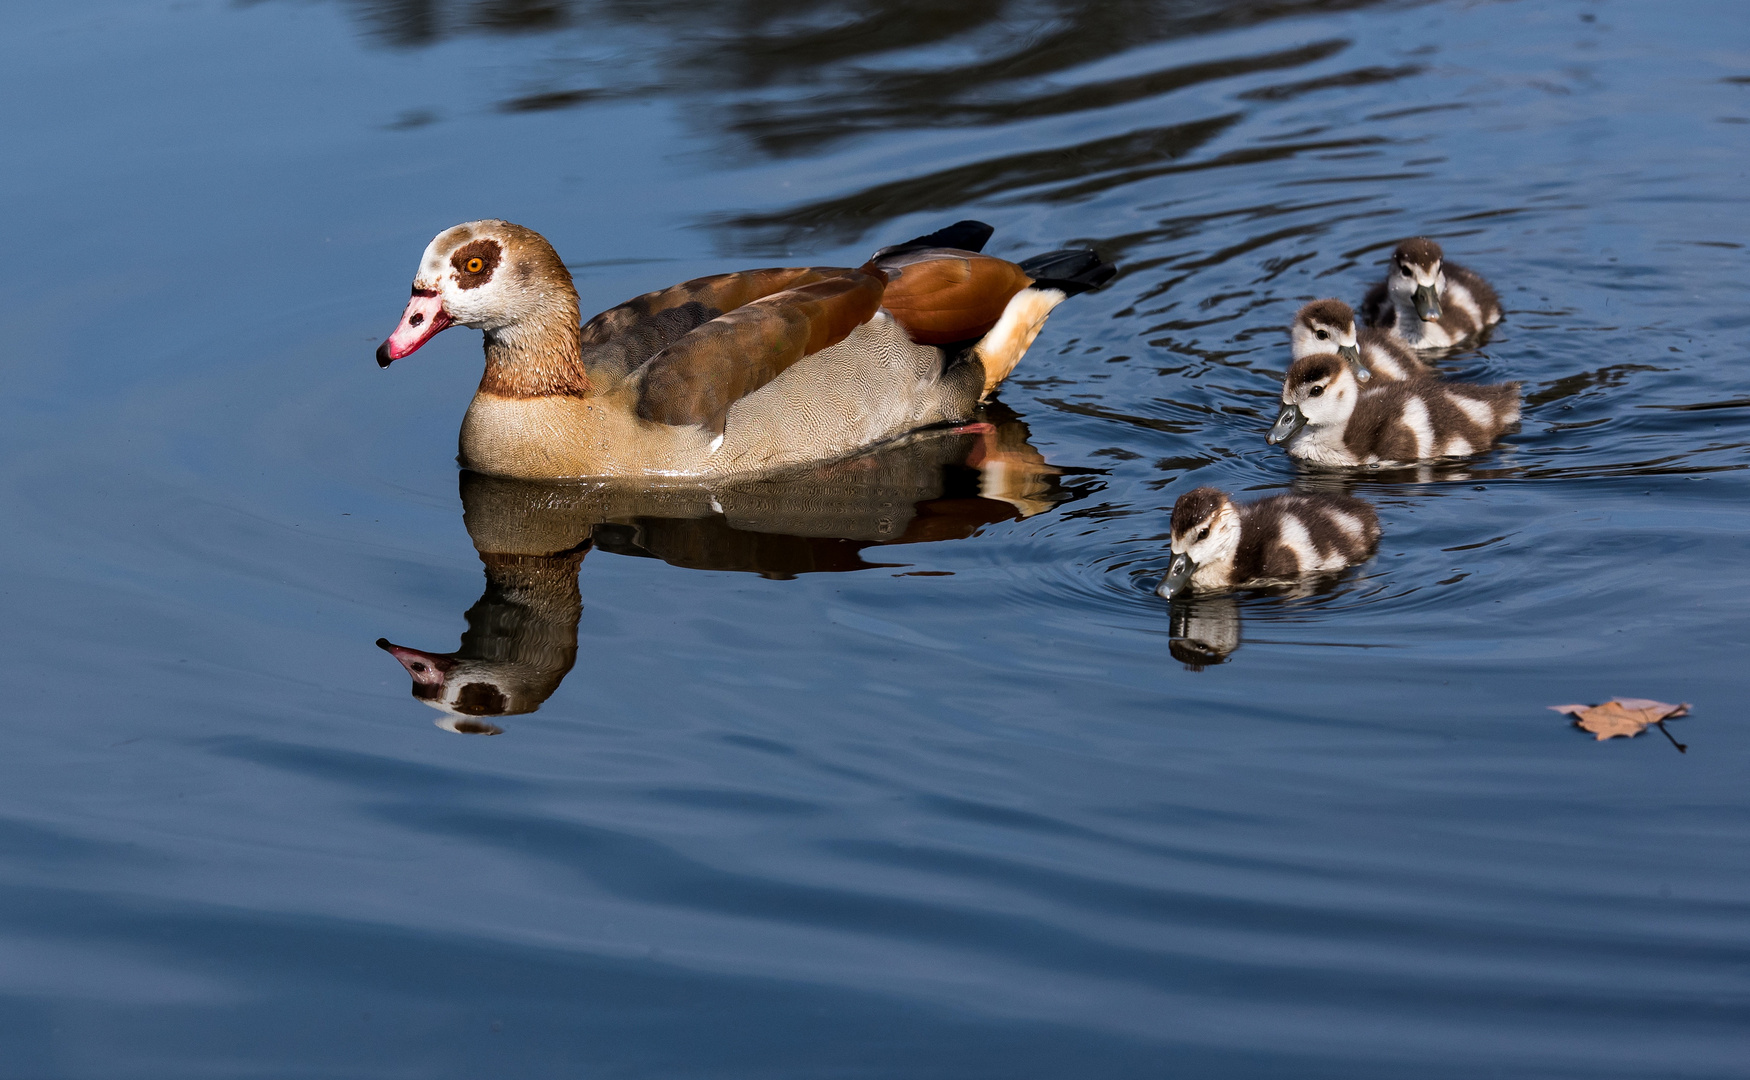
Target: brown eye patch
475, 262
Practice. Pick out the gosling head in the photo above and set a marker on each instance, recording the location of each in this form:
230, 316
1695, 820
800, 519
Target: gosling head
1206, 534
1319, 391
1328, 326
489, 275
1415, 280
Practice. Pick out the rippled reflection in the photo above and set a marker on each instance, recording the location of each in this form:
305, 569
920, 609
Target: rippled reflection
532, 538
791, 79
1205, 630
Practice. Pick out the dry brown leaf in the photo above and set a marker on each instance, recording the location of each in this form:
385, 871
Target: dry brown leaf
1624, 717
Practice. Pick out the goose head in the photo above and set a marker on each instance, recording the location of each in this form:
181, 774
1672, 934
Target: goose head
489, 275
1415, 280
1328, 326
1320, 391
1206, 534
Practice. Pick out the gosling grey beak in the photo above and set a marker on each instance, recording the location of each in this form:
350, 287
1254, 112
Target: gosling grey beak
1287, 425
1352, 353
1427, 304
1178, 577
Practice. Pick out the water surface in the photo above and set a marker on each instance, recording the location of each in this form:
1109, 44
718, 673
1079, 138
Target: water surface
895, 767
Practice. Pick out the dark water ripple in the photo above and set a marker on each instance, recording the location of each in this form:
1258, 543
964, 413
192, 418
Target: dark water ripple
897, 769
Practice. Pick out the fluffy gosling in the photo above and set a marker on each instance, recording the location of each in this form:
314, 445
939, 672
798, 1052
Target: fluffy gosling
1329, 326
1427, 302
1218, 544
1329, 418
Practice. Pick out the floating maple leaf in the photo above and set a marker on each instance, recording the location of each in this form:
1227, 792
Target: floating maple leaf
1624, 717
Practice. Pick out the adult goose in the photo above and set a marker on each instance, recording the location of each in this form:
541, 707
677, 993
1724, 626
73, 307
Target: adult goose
734, 373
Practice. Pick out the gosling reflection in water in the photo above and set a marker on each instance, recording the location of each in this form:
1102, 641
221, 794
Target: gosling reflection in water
532, 537
1203, 630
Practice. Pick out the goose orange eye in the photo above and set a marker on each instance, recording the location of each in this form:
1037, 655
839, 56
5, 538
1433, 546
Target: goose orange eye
474, 265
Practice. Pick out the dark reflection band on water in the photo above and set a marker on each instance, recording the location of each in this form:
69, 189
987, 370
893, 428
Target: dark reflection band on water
532, 538
785, 80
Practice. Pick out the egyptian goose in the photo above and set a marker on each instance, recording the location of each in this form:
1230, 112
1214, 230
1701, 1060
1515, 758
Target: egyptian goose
1328, 418
730, 374
1218, 544
1326, 325
1428, 303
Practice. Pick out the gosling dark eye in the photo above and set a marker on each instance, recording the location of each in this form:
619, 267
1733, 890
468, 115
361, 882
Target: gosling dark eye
1323, 335
1204, 535
1315, 391
1404, 270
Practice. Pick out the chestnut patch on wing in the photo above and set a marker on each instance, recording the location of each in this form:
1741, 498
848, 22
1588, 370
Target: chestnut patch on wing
942, 296
489, 254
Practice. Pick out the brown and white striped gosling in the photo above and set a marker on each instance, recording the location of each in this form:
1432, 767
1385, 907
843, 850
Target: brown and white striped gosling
1427, 302
1218, 544
1329, 326
1329, 418
732, 374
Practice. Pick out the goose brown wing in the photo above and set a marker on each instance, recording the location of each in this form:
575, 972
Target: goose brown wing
713, 365
619, 340
945, 295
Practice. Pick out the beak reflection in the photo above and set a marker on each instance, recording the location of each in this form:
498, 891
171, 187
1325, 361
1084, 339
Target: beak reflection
1204, 631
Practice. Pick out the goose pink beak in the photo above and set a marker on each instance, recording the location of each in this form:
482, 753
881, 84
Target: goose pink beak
424, 317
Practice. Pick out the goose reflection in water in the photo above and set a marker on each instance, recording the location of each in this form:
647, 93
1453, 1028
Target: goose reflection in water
532, 537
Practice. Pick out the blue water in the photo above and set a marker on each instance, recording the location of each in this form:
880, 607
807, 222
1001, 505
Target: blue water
811, 802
